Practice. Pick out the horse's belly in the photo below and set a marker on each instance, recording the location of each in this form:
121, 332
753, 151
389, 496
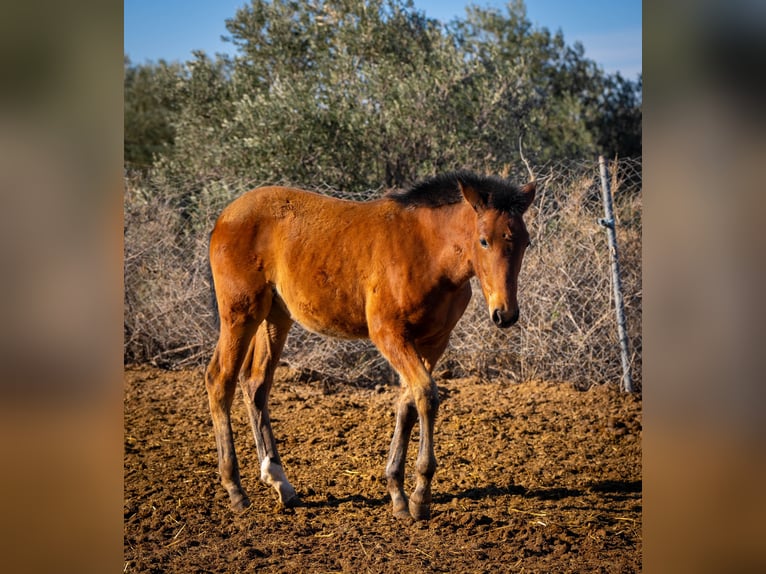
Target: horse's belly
340, 327
330, 314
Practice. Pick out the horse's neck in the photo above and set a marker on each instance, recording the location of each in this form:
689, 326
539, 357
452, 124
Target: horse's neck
453, 230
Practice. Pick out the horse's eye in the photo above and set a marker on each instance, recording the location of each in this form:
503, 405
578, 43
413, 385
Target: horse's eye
483, 242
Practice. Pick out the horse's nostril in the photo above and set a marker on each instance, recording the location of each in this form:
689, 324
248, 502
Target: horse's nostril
501, 321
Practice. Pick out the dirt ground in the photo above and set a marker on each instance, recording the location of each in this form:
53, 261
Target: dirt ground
532, 477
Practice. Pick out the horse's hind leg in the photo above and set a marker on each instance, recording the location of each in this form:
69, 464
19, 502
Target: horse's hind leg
221, 383
256, 380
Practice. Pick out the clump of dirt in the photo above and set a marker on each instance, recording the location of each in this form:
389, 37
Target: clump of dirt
533, 477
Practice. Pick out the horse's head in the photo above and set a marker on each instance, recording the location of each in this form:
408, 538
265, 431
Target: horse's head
499, 242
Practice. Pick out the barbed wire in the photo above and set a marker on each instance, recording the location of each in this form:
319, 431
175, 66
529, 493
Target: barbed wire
567, 327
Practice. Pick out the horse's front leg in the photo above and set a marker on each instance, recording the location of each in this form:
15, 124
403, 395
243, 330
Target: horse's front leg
427, 404
420, 398
406, 415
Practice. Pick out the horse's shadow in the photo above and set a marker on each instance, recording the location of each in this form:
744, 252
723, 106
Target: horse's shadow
615, 489
333, 502
571, 498
618, 489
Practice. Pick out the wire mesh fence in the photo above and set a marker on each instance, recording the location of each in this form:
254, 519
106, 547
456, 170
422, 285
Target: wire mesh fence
567, 328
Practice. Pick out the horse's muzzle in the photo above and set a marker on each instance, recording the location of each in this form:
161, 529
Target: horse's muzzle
504, 320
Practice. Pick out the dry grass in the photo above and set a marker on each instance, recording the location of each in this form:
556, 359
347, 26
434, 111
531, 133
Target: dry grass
567, 331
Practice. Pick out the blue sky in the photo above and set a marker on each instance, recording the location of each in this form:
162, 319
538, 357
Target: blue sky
609, 30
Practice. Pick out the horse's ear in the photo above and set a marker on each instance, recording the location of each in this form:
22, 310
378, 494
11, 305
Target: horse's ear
528, 191
472, 196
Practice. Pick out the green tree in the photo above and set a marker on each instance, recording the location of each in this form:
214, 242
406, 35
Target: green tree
357, 94
618, 124
150, 110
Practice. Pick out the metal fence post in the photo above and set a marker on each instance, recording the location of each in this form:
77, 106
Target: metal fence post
609, 224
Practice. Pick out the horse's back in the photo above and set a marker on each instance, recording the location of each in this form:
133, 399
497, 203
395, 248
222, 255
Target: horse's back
319, 254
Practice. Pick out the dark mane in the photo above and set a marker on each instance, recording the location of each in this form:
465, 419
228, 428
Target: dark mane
443, 190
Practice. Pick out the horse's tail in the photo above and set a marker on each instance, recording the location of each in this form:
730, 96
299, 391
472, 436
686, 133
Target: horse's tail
213, 298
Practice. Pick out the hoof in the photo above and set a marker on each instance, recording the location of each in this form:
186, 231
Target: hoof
404, 516
292, 502
420, 511
240, 503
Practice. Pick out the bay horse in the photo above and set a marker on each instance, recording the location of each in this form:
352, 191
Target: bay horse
395, 270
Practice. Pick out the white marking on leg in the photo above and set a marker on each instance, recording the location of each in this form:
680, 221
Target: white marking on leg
271, 473
274, 475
